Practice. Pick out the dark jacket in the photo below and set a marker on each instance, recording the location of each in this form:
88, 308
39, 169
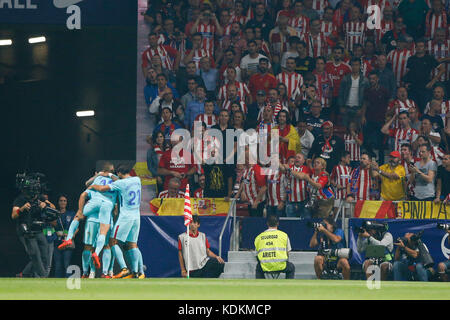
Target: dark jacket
346, 84
387, 80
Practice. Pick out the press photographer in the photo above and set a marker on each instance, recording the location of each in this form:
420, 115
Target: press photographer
332, 255
378, 246
32, 212
444, 267
412, 258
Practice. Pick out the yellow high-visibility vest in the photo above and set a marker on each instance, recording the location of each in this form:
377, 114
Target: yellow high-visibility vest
271, 248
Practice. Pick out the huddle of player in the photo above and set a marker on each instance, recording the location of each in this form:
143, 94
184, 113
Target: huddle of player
110, 205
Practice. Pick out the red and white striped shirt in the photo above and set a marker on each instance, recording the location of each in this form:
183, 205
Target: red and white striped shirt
320, 5
227, 30
433, 22
250, 14
324, 85
316, 46
354, 32
265, 48
166, 53
328, 28
276, 187
242, 90
165, 194
209, 120
341, 176
353, 147
440, 51
276, 108
198, 55
398, 59
402, 106
253, 180
292, 81
199, 193
361, 182
325, 191
445, 107
241, 19
298, 188
208, 31
402, 136
301, 24
437, 154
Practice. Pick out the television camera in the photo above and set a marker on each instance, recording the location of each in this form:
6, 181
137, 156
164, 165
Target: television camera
32, 186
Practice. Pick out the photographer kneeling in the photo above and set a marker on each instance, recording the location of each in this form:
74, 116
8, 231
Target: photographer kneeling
375, 234
31, 212
330, 239
408, 259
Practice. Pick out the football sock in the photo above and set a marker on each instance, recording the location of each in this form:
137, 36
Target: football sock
119, 256
106, 260
100, 244
72, 228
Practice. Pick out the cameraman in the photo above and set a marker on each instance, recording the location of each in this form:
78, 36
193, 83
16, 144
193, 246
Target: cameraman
444, 267
25, 208
407, 259
376, 237
328, 236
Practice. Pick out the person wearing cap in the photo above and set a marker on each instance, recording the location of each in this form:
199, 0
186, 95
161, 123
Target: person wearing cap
392, 174
328, 146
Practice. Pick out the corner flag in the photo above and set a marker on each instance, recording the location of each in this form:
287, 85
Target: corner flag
187, 221
187, 207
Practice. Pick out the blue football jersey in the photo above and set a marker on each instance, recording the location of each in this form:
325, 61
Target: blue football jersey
106, 196
129, 191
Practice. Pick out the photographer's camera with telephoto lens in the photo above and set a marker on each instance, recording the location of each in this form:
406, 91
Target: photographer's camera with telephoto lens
316, 225
443, 226
424, 254
370, 225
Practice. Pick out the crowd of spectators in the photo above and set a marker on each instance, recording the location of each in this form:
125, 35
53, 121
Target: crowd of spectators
363, 113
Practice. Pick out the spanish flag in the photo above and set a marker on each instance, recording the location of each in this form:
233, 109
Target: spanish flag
294, 146
375, 209
200, 206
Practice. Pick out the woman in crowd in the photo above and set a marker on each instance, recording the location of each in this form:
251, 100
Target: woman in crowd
63, 257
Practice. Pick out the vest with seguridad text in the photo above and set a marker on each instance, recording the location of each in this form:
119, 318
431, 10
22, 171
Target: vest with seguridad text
271, 249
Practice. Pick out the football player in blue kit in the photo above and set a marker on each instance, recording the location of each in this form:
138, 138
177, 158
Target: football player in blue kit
126, 228
100, 207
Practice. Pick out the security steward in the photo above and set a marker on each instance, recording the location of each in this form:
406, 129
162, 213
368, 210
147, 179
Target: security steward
272, 248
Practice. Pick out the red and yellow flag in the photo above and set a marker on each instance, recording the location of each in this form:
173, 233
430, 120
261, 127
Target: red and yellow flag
375, 209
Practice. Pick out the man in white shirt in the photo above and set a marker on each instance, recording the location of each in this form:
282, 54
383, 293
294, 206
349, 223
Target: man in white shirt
306, 137
249, 63
351, 93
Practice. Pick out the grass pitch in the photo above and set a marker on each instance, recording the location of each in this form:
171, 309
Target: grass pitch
218, 289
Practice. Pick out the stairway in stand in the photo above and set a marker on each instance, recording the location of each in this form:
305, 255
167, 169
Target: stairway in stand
242, 264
